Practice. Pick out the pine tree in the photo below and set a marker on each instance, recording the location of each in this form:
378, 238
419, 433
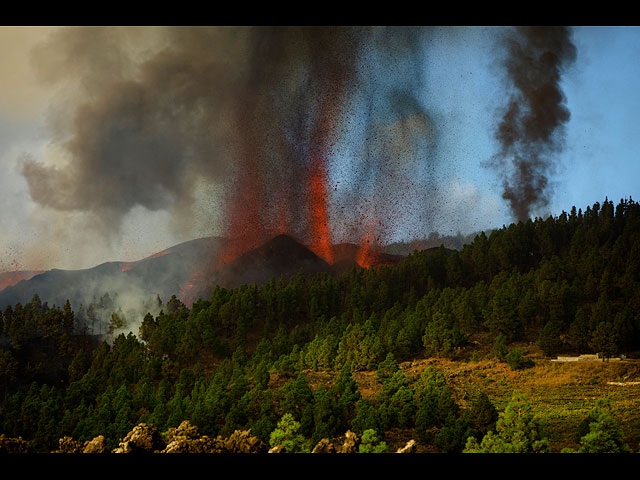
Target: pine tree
603, 340
481, 414
549, 339
370, 443
517, 431
604, 433
286, 434
68, 318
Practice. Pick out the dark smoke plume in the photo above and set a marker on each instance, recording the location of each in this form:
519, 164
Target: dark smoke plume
136, 132
531, 129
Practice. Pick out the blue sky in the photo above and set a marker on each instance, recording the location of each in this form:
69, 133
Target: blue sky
461, 90
603, 136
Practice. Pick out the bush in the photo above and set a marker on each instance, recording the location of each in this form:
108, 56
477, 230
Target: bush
286, 434
371, 444
517, 361
517, 431
604, 435
500, 348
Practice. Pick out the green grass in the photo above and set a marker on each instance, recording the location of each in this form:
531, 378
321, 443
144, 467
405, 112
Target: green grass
561, 394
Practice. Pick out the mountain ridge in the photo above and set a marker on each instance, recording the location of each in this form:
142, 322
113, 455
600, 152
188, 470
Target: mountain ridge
188, 269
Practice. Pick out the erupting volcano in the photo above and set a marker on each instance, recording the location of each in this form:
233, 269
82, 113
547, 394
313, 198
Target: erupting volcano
326, 135
300, 95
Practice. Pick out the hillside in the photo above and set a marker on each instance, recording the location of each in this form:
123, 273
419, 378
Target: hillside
8, 279
189, 270
432, 348
162, 273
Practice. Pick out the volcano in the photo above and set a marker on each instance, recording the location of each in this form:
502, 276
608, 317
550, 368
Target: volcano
189, 270
280, 256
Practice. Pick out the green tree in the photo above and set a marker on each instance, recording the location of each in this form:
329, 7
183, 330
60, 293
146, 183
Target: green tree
360, 347
500, 348
517, 431
481, 414
396, 402
370, 443
442, 335
8, 369
452, 436
67, 318
387, 368
346, 394
124, 416
549, 339
435, 403
603, 340
366, 418
325, 418
297, 399
286, 434
517, 361
501, 314
118, 322
604, 435
579, 333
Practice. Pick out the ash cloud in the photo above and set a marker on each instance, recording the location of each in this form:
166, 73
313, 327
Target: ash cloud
140, 116
152, 117
143, 116
531, 130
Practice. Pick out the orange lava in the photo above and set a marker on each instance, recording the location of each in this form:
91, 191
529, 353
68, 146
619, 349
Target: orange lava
257, 212
244, 214
10, 278
189, 292
320, 232
318, 180
160, 254
367, 256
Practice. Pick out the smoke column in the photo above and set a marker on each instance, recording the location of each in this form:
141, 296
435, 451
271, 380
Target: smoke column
531, 129
295, 87
303, 90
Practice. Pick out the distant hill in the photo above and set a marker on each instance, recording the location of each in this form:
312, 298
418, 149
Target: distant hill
434, 240
348, 255
8, 279
163, 274
188, 270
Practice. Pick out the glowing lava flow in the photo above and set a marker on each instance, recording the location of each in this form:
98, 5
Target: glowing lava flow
14, 276
368, 250
189, 292
318, 198
366, 256
244, 214
320, 233
160, 254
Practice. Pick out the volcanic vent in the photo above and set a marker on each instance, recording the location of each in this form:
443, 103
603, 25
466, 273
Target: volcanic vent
280, 256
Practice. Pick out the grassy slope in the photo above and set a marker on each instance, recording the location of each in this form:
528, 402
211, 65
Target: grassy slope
562, 394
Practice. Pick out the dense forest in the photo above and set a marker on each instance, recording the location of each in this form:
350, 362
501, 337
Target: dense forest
240, 358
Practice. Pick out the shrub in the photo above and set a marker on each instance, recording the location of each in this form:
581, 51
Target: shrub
370, 443
286, 434
517, 361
